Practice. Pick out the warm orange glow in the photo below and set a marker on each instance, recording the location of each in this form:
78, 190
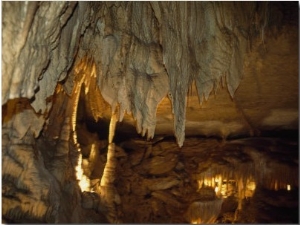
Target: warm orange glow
196, 222
226, 187
216, 189
279, 185
83, 181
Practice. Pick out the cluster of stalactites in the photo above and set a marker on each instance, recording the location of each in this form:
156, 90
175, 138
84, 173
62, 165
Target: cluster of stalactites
142, 51
150, 49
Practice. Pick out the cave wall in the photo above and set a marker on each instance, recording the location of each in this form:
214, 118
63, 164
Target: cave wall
126, 57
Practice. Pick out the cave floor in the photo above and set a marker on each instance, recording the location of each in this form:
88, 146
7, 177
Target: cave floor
256, 178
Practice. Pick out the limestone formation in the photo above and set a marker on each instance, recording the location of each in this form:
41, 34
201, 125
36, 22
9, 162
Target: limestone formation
68, 68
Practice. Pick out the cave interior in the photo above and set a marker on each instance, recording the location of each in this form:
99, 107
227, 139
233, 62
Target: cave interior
150, 112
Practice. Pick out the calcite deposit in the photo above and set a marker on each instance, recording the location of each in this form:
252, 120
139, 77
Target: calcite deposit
128, 112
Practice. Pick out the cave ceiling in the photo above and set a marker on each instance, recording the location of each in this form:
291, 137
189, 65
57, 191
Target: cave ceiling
166, 68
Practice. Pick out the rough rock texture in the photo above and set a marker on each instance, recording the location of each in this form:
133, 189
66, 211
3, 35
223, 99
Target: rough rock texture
139, 49
178, 196
66, 64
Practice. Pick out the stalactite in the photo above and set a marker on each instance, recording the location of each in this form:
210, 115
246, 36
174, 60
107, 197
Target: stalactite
137, 63
112, 128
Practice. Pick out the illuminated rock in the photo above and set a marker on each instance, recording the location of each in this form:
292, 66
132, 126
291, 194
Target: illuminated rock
67, 63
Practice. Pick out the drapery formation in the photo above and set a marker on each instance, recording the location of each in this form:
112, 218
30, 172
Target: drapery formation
142, 51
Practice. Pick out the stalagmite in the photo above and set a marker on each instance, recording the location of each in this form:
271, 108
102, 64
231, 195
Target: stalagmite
109, 196
206, 208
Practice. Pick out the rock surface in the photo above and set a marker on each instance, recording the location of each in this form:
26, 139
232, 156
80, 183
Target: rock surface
67, 66
137, 64
176, 196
